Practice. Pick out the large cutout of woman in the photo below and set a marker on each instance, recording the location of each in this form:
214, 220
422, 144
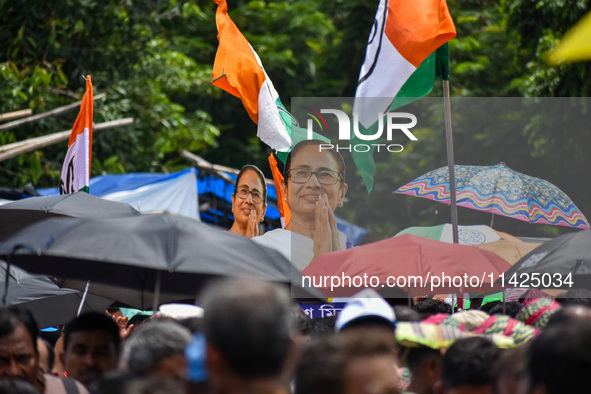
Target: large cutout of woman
313, 186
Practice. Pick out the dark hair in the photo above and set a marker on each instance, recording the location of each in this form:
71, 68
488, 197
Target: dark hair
10, 318
511, 308
112, 309
93, 321
489, 306
335, 154
406, 313
511, 367
250, 167
469, 361
322, 366
570, 313
250, 322
137, 319
431, 306
301, 320
417, 356
322, 325
560, 360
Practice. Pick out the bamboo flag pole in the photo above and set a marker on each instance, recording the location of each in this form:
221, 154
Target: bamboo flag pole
53, 112
442, 60
11, 150
450, 161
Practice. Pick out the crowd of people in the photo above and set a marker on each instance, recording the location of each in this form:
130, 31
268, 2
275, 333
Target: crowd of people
253, 338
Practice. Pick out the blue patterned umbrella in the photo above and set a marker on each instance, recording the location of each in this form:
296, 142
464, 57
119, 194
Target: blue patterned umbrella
500, 190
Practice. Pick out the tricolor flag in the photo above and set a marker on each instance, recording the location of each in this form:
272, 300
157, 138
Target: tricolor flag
238, 70
404, 37
76, 168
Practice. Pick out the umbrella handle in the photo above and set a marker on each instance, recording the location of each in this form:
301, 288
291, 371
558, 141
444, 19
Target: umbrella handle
156, 291
6, 279
83, 298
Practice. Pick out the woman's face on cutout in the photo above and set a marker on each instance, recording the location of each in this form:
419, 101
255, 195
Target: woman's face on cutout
242, 207
302, 197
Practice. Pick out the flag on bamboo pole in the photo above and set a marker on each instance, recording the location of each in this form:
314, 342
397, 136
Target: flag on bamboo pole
76, 168
400, 61
238, 70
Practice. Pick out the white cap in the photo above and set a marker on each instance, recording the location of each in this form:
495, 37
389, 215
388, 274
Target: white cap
372, 305
181, 311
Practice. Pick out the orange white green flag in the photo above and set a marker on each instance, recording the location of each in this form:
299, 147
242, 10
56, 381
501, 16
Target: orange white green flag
76, 168
405, 53
405, 32
238, 70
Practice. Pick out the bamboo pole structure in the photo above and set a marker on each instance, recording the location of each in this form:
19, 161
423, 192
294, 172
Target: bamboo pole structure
200, 162
11, 150
53, 112
15, 114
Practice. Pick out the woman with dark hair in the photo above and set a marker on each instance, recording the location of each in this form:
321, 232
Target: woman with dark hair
249, 201
313, 186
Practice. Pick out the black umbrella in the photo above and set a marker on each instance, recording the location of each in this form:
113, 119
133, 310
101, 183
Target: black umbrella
50, 304
164, 252
563, 262
18, 214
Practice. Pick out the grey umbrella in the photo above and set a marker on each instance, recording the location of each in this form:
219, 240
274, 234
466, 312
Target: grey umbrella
50, 304
563, 262
18, 214
164, 252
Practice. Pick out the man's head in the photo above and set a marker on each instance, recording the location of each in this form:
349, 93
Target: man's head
158, 348
46, 355
430, 307
559, 359
18, 346
424, 364
467, 366
91, 347
249, 326
348, 363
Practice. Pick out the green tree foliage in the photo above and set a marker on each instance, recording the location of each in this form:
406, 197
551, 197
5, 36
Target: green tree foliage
153, 58
145, 55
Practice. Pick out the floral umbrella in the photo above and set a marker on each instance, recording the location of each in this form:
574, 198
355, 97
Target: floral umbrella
500, 190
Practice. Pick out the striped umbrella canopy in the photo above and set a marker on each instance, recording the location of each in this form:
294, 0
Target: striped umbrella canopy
500, 190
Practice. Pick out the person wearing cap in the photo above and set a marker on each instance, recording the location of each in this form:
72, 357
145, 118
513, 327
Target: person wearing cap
371, 311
